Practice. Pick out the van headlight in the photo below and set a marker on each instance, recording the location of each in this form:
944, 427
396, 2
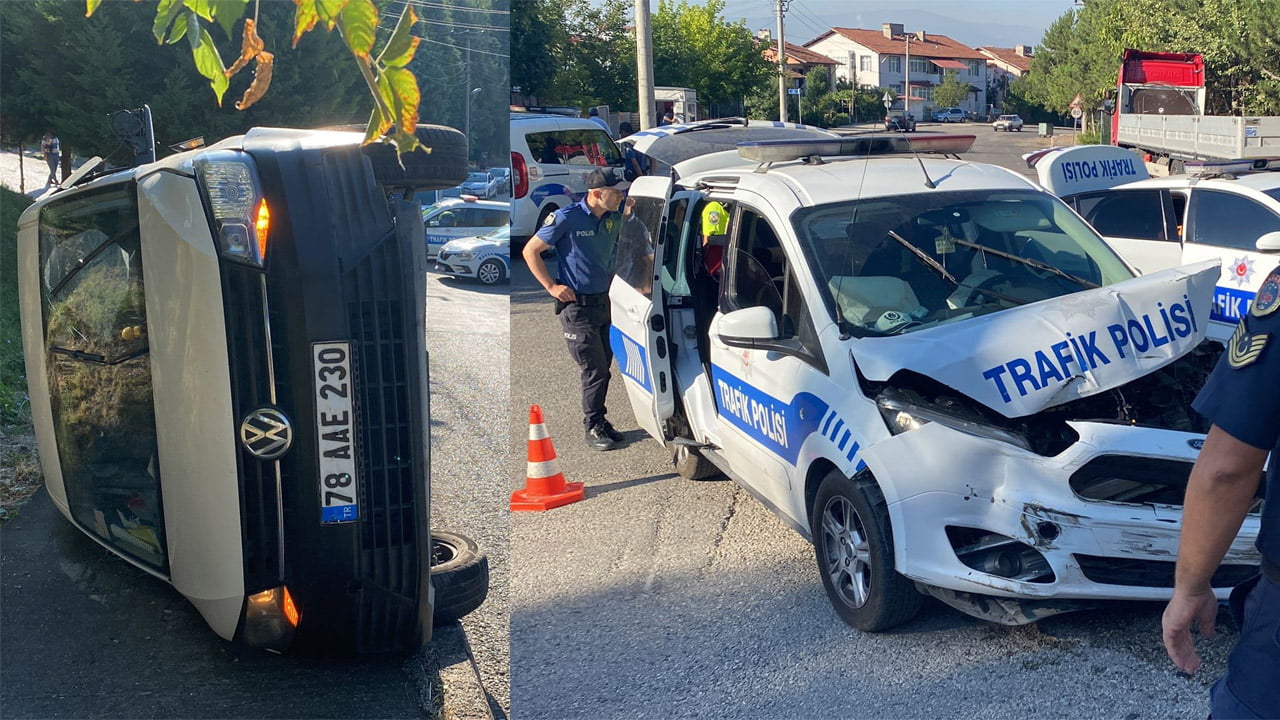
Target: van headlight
241, 219
902, 414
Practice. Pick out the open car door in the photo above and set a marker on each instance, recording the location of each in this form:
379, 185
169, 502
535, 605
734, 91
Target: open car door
639, 332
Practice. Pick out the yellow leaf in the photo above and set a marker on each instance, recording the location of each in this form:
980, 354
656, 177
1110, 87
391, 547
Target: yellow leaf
329, 10
90, 6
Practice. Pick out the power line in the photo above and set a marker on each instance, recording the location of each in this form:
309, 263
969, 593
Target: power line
459, 47
444, 6
464, 26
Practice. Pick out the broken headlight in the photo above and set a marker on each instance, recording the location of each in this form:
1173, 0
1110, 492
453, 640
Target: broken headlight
903, 413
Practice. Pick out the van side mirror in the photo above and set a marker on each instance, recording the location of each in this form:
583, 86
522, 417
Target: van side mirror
743, 328
1269, 242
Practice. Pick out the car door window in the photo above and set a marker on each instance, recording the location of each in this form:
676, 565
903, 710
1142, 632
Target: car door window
491, 218
634, 258
589, 147
1228, 220
1137, 214
759, 273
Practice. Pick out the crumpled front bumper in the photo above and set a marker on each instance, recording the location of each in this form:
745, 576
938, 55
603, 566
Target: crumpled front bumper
946, 488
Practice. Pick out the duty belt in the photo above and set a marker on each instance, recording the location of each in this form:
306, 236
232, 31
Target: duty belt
587, 300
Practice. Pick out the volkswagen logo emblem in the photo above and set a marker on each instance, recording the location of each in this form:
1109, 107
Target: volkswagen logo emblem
266, 433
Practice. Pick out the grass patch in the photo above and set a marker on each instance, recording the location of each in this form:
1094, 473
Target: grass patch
14, 408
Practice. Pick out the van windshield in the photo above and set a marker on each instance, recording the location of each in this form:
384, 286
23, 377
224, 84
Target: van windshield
896, 264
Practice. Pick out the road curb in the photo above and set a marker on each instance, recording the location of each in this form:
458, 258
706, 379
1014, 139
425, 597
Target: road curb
449, 657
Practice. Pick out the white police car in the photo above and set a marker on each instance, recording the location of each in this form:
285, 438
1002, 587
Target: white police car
486, 258
1227, 210
461, 217
931, 368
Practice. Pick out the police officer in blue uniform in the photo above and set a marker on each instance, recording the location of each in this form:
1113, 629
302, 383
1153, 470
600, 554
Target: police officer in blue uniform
585, 237
1242, 400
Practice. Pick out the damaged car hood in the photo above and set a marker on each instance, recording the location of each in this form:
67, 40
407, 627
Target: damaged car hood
1025, 359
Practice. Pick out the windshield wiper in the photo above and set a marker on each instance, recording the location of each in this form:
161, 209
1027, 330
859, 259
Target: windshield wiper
89, 257
1029, 262
97, 359
937, 267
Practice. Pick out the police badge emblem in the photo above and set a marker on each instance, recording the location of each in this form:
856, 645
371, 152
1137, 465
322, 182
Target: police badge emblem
1244, 348
551, 219
608, 225
1268, 297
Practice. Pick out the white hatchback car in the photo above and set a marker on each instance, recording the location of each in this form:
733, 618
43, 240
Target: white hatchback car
930, 368
486, 258
1228, 211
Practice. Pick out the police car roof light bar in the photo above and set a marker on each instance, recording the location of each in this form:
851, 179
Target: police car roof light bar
770, 151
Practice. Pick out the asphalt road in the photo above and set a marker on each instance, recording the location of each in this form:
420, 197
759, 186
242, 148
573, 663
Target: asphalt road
84, 634
659, 597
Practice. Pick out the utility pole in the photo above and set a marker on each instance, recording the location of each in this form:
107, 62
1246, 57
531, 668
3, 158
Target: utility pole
906, 85
782, 63
644, 65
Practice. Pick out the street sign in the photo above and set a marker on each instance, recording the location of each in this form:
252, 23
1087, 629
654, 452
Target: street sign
793, 91
1076, 112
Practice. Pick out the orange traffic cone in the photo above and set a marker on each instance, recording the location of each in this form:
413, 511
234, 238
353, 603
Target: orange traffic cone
544, 487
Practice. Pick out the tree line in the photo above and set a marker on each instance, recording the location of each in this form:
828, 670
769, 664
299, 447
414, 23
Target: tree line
64, 72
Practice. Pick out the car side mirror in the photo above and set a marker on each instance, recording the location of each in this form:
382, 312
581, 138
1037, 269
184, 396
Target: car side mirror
743, 328
1269, 243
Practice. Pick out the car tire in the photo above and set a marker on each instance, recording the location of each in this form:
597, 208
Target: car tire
853, 542
459, 574
691, 465
444, 167
491, 272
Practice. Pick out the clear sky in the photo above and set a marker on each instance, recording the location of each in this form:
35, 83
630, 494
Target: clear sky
998, 23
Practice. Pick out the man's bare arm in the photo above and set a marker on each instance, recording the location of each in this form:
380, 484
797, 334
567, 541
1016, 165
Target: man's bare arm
1219, 493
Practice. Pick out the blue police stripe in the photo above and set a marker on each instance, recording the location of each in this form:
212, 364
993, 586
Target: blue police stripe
632, 358
780, 428
1230, 304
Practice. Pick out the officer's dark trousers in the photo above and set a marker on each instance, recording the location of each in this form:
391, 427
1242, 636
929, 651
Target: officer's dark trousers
586, 331
1251, 687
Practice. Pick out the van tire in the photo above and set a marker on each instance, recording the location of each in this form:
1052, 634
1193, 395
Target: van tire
444, 167
459, 574
852, 539
691, 465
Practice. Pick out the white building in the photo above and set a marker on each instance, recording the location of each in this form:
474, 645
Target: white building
877, 59
1005, 66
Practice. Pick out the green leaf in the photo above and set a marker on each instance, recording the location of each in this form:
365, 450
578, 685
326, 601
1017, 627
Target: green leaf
227, 12
203, 8
193, 31
209, 63
402, 45
179, 29
304, 19
166, 12
358, 24
376, 125
329, 10
405, 96
90, 6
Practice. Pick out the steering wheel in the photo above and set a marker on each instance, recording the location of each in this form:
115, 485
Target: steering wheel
974, 285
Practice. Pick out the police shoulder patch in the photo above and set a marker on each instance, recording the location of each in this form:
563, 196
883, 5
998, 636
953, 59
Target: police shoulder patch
551, 219
1268, 297
1244, 348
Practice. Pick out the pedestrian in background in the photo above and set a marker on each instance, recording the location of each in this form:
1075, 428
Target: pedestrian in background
585, 237
1242, 400
594, 115
668, 117
51, 148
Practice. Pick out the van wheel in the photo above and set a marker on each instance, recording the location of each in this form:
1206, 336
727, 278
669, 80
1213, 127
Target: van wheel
691, 465
459, 574
490, 272
444, 167
853, 544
